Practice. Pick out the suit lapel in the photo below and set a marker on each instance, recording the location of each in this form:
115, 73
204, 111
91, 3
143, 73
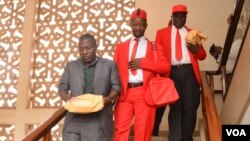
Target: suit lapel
169, 42
123, 64
126, 57
147, 55
126, 50
98, 69
79, 68
149, 48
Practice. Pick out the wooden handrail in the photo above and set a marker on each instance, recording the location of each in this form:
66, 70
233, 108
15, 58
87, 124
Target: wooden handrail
212, 121
44, 128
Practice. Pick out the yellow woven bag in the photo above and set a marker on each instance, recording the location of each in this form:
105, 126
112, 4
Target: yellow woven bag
84, 104
195, 37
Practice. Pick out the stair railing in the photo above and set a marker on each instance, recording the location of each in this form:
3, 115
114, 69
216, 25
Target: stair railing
44, 129
212, 121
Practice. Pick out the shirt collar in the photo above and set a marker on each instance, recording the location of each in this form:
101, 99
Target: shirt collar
141, 38
180, 29
91, 64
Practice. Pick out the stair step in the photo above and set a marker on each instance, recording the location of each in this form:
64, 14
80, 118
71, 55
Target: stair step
159, 138
154, 138
162, 135
162, 138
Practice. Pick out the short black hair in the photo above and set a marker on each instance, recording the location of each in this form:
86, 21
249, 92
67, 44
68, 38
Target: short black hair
88, 36
213, 52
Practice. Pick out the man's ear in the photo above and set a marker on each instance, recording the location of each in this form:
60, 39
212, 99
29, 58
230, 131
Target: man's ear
130, 23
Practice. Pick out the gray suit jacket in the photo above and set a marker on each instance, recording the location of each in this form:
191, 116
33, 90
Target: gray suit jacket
106, 79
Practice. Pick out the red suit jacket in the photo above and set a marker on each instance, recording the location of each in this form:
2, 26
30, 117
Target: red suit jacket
163, 37
148, 65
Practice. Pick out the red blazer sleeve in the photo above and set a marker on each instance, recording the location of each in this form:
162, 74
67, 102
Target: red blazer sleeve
201, 54
115, 58
161, 66
158, 39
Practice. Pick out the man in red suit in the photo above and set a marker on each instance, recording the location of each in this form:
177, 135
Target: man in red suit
184, 72
136, 67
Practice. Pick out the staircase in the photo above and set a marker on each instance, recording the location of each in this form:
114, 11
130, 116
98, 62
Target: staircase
164, 134
208, 125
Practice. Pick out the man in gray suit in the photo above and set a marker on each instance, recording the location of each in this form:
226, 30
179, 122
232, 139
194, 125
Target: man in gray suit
95, 75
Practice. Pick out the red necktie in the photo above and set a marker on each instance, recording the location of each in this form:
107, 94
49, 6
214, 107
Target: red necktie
178, 50
134, 53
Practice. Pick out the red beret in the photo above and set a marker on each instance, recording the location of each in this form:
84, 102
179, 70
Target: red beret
179, 8
139, 14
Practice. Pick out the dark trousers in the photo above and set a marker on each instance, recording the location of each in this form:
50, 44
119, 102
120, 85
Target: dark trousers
158, 117
182, 114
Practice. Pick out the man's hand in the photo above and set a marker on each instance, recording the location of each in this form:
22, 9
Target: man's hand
65, 96
107, 100
134, 64
193, 48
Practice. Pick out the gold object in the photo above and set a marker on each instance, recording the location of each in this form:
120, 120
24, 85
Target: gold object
195, 37
84, 104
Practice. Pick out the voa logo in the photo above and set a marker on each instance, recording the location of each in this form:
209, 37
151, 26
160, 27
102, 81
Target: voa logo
236, 132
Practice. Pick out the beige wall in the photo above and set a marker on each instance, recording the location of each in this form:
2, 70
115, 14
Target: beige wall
210, 16
207, 15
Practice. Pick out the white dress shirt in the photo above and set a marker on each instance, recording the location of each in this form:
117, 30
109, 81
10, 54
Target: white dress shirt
140, 53
185, 56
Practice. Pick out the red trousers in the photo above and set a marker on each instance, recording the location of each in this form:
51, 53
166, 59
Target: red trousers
133, 108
